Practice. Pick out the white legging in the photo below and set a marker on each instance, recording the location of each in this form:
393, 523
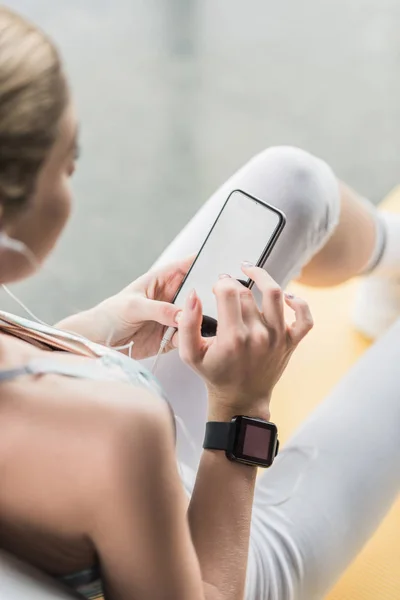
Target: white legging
334, 481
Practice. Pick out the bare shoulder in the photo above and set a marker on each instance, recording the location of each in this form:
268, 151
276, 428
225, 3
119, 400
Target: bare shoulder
72, 407
66, 447
75, 414
66, 436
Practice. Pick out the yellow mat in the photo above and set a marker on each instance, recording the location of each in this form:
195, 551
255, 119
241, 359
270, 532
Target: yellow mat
327, 353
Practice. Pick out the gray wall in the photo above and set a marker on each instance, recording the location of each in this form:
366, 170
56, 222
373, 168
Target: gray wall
174, 95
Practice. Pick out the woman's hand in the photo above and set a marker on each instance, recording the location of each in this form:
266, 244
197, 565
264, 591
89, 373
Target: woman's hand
242, 364
137, 314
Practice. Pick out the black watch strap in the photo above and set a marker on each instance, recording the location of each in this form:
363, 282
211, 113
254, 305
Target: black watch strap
217, 435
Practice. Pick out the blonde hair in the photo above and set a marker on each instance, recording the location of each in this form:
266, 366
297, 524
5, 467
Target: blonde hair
33, 96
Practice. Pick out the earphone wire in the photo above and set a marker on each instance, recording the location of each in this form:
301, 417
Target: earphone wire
21, 248
23, 306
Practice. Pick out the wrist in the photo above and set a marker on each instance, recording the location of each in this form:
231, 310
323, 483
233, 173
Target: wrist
217, 459
222, 409
80, 323
94, 324
247, 440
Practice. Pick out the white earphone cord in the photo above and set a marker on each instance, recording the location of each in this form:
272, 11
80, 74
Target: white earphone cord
21, 248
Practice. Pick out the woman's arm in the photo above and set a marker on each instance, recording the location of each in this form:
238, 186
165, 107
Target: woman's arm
148, 547
219, 519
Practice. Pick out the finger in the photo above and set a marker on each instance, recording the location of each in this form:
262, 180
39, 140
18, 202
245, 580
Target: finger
227, 293
191, 344
303, 318
272, 297
155, 310
178, 268
250, 310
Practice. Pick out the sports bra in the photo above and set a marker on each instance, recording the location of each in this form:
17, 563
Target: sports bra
107, 365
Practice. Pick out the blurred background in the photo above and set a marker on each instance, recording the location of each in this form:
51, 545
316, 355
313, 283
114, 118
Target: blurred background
174, 96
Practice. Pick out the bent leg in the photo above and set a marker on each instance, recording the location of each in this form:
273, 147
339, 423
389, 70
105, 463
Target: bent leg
301, 185
334, 481
356, 245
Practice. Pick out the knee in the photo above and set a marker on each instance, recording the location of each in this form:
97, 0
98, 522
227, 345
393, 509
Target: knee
304, 187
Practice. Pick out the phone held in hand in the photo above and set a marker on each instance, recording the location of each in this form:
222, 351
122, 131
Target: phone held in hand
245, 229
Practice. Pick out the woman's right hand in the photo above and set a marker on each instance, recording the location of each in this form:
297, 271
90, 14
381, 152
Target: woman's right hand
246, 358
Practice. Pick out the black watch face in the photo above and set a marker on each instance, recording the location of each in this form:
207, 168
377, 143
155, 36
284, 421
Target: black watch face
255, 441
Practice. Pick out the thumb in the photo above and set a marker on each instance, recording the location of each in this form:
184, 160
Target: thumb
164, 313
190, 340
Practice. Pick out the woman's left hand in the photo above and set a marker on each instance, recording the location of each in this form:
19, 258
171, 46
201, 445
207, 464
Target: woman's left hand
139, 313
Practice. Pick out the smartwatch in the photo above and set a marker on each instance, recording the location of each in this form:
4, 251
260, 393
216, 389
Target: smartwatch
245, 440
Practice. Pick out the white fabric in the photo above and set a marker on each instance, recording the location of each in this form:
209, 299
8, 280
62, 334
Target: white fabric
377, 305
389, 263
19, 581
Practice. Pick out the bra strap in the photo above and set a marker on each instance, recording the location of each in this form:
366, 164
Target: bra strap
9, 374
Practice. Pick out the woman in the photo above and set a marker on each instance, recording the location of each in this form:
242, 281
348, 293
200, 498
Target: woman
90, 491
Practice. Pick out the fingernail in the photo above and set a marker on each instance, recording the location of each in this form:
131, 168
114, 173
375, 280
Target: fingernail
247, 264
178, 316
192, 299
289, 296
223, 276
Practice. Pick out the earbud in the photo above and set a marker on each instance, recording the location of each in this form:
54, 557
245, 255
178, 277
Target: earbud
11, 244
8, 243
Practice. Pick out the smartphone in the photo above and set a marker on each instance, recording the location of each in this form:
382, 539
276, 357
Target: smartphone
246, 229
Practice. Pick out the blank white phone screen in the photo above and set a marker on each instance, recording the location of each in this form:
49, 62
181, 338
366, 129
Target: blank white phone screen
243, 231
